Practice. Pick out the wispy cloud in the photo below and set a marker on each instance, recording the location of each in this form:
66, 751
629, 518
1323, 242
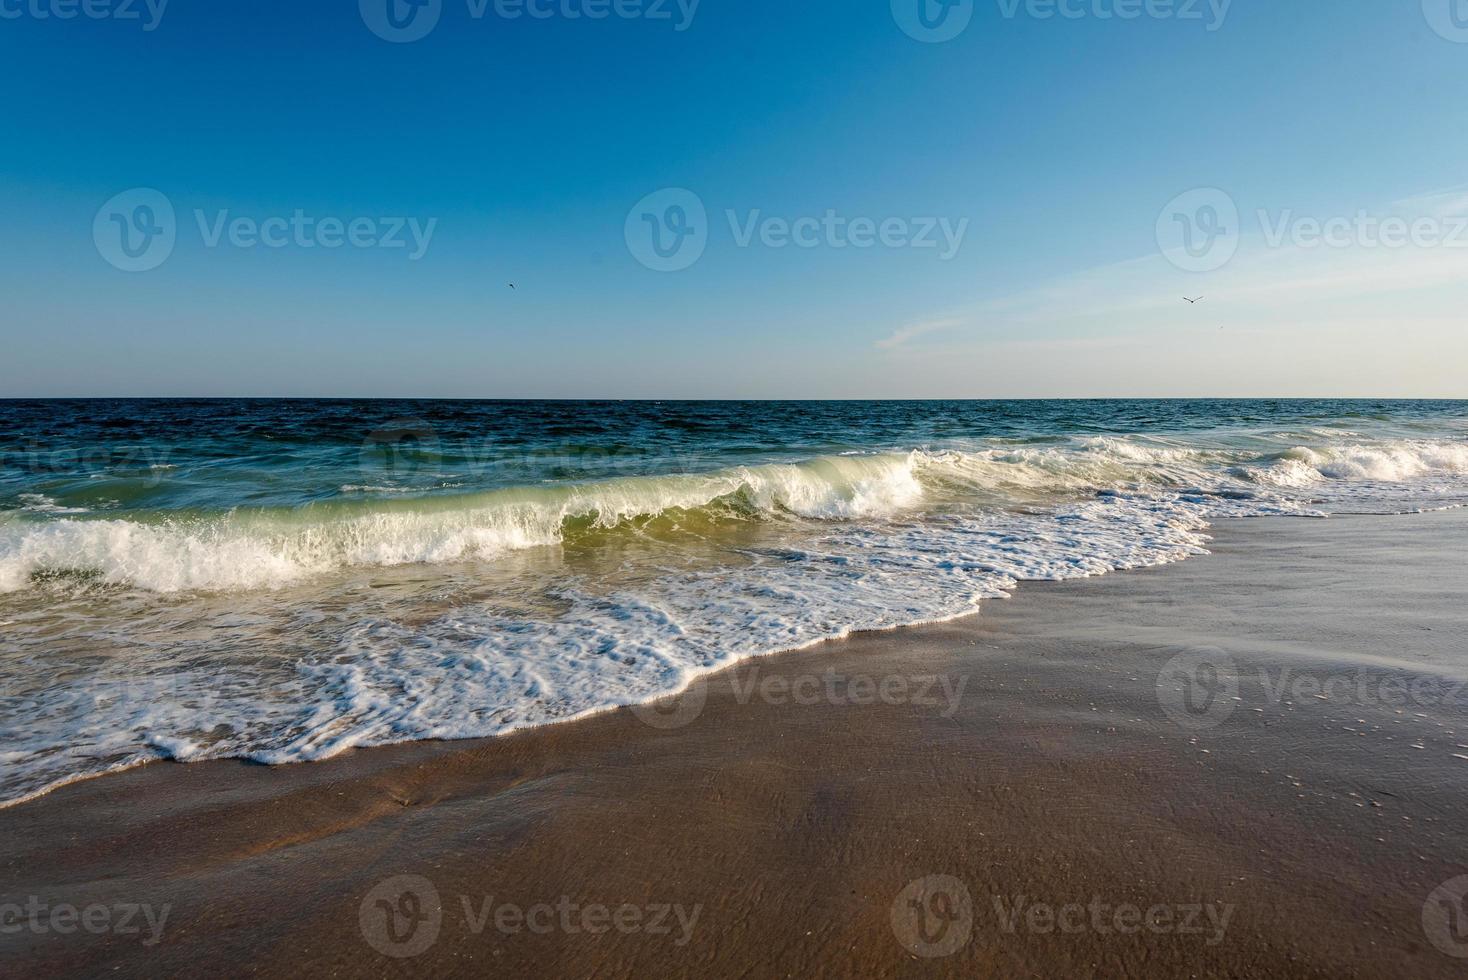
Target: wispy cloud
1445, 203
1283, 316
913, 331
1264, 283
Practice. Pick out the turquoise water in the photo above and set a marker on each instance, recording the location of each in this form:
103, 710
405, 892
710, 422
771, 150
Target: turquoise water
283, 580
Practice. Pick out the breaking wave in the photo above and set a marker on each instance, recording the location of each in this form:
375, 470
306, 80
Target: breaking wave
243, 633
265, 548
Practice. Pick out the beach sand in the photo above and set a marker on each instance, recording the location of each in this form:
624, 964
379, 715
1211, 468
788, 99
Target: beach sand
1088, 810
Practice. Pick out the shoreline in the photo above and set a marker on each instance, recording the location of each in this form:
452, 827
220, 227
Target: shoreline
1202, 533
793, 811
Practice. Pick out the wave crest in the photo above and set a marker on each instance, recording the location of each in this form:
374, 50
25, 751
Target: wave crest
274, 547
1304, 466
270, 548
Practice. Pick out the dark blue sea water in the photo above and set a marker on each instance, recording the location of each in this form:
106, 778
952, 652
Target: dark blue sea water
283, 580
107, 454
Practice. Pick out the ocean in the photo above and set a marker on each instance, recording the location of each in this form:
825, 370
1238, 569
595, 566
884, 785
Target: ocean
283, 580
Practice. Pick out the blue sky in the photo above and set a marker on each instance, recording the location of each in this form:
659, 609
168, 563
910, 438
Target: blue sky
1055, 145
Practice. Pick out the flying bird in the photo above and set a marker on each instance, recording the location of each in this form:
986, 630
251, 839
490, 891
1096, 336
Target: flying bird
1194, 301
512, 285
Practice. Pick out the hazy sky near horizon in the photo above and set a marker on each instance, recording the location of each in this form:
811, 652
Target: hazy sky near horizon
320, 204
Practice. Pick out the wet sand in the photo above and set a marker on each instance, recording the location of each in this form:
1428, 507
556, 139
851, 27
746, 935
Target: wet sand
1093, 778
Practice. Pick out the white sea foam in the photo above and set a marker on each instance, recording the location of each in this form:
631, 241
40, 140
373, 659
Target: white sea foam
246, 550
474, 672
834, 545
39, 503
1391, 463
271, 549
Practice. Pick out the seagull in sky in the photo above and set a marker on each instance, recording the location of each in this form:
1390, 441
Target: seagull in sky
1193, 302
